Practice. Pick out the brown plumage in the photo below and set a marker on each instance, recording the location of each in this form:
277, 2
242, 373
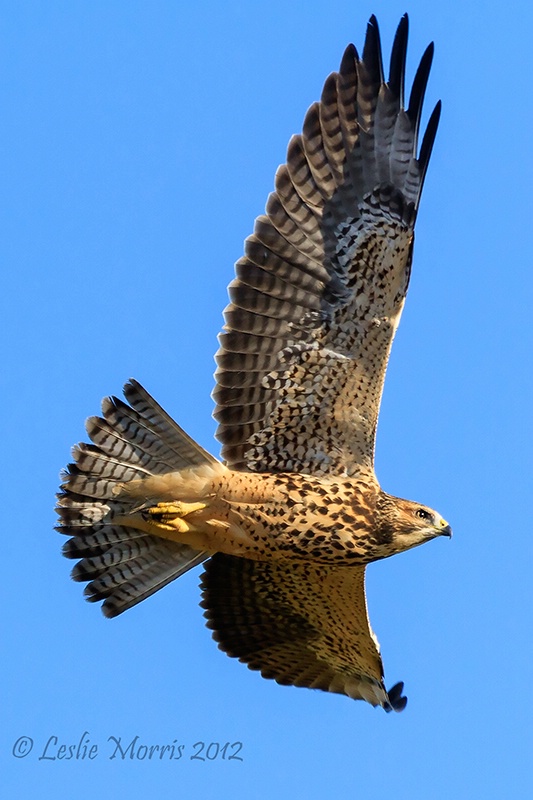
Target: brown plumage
294, 513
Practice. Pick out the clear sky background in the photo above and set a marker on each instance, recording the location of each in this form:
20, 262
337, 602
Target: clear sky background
139, 140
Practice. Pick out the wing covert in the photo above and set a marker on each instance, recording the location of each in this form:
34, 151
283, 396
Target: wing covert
318, 294
300, 624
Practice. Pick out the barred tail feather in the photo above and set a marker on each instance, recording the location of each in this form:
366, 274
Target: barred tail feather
123, 566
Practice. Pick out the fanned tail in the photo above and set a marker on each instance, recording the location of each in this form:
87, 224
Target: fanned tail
123, 565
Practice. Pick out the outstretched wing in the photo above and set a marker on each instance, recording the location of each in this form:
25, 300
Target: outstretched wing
301, 624
319, 292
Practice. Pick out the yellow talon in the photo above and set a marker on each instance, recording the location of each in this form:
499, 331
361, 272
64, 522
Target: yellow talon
163, 517
170, 515
174, 509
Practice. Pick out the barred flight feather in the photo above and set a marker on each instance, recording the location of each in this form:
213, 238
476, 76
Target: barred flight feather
327, 267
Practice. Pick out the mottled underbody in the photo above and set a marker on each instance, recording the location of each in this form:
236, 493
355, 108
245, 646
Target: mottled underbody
334, 521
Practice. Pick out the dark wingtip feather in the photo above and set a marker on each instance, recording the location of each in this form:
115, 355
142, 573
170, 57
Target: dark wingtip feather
428, 142
418, 91
349, 56
397, 59
372, 57
133, 388
396, 701
400, 705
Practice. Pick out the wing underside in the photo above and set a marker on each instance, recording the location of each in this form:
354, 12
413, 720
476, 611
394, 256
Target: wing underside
300, 624
319, 292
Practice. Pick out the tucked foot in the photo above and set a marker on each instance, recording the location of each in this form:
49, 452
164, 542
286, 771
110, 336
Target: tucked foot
164, 519
171, 515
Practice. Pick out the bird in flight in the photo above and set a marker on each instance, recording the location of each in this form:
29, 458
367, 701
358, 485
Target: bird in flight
289, 518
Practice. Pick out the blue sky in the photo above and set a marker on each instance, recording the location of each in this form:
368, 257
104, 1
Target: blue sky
139, 141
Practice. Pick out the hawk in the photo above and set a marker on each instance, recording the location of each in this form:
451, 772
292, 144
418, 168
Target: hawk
291, 516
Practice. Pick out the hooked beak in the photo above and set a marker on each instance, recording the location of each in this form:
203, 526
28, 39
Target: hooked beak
445, 529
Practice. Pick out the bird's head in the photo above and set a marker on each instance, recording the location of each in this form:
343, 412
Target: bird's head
402, 524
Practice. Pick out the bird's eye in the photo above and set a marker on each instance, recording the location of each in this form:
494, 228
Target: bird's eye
423, 514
